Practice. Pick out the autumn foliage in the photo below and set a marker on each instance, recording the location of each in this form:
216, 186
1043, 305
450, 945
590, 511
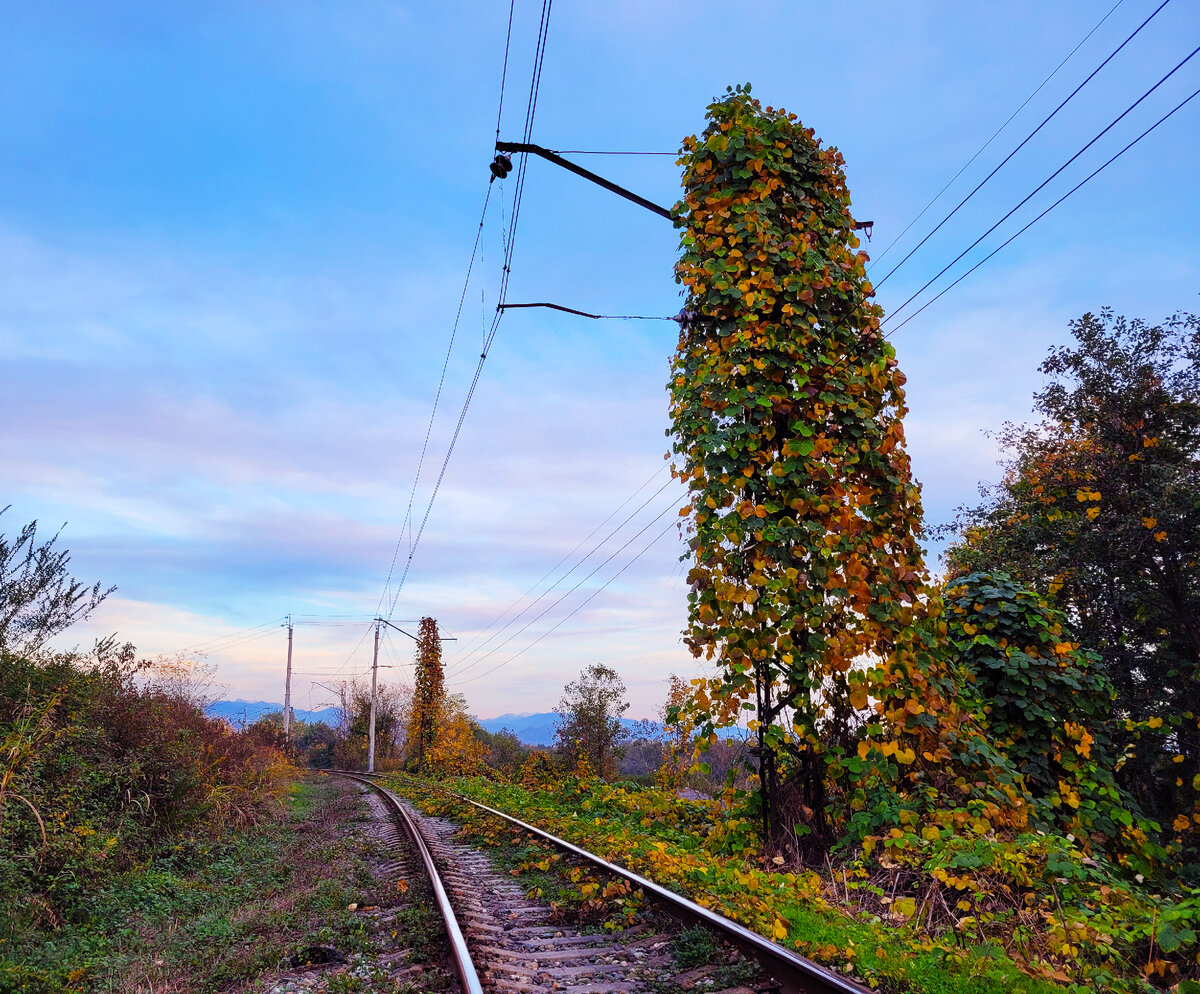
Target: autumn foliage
787, 408
429, 697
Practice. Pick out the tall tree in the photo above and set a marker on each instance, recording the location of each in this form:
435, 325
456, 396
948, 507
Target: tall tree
429, 699
1099, 508
787, 408
589, 719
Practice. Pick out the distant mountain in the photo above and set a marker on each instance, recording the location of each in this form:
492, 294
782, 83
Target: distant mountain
533, 729
238, 713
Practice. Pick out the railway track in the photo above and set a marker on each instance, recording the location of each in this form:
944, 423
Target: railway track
501, 941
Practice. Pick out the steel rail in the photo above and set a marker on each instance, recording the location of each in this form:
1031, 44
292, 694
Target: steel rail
463, 964
797, 974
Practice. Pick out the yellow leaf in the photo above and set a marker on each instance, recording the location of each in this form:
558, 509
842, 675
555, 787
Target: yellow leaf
1149, 522
905, 906
858, 696
1155, 723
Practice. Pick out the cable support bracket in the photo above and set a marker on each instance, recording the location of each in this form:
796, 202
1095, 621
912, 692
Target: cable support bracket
587, 174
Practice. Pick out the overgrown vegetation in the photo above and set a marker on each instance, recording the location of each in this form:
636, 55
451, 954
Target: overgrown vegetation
107, 762
217, 913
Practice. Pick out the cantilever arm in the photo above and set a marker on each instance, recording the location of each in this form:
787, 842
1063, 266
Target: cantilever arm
587, 174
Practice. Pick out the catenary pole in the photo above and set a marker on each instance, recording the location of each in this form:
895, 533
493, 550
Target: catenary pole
374, 676
287, 688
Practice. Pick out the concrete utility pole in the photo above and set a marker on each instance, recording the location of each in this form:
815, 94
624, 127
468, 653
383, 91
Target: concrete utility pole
287, 688
374, 676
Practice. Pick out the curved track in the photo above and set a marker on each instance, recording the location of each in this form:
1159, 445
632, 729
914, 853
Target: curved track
794, 974
463, 964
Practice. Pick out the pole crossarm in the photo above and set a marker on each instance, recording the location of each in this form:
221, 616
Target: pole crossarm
587, 174
444, 638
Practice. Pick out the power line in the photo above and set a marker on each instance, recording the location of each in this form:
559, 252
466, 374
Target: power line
1023, 143
531, 109
599, 545
504, 72
202, 646
1030, 224
577, 608
437, 396
237, 643
995, 134
1044, 182
476, 641
490, 652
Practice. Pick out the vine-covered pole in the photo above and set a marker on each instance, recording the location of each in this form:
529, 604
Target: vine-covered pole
787, 408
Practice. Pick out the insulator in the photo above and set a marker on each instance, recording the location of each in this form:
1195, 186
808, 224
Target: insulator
501, 166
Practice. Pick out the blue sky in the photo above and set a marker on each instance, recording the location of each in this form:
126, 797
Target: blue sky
233, 239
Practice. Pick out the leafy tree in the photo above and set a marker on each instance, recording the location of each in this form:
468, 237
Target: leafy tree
314, 742
505, 750
1099, 509
457, 750
1043, 701
392, 709
38, 596
589, 719
787, 410
429, 699
678, 734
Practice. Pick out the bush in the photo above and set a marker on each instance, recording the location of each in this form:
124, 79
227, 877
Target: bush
103, 771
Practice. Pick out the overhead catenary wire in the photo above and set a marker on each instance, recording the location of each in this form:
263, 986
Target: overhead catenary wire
658, 517
531, 109
995, 134
1025, 141
470, 646
1100, 134
575, 610
504, 72
463, 665
437, 395
1033, 221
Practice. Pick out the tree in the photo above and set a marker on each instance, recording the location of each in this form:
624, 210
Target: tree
38, 596
787, 408
457, 750
429, 699
1042, 700
678, 737
1099, 509
589, 719
505, 750
392, 709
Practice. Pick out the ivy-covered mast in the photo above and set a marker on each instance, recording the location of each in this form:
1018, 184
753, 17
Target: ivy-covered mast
787, 410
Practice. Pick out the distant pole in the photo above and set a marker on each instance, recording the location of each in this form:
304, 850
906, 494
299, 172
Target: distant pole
374, 676
287, 688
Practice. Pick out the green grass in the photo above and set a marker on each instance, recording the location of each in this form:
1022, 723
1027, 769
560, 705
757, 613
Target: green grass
210, 914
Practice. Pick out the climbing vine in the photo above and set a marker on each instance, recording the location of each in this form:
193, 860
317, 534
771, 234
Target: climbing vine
787, 406
429, 696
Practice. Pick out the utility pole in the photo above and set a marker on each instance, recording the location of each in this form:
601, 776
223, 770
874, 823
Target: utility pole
287, 689
374, 677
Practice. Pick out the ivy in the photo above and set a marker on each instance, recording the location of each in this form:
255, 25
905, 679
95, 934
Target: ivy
787, 411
